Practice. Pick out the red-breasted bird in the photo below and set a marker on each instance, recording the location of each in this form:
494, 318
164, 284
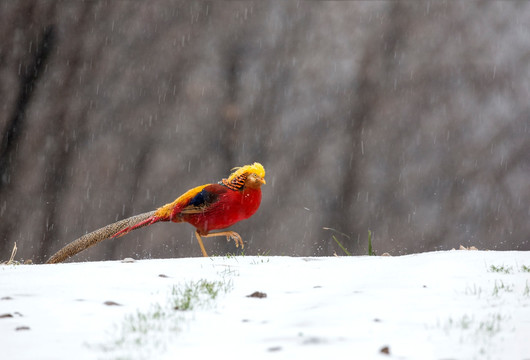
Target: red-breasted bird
206, 207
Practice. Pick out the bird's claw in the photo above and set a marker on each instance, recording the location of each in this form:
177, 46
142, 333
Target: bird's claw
236, 237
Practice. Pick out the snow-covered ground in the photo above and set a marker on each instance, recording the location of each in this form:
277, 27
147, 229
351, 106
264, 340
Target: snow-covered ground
440, 305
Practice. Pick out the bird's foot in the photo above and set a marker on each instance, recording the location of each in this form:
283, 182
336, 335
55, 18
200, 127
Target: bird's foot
232, 235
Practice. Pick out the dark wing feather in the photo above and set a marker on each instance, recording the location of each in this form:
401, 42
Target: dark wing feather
204, 199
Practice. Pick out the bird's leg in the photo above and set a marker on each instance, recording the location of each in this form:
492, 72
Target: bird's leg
229, 235
201, 244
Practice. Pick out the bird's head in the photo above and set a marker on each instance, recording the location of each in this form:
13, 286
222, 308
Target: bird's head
254, 175
254, 181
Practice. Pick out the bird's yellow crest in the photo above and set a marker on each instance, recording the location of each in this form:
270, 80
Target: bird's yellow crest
255, 168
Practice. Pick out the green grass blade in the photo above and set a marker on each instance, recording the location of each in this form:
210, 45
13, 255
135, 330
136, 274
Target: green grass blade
341, 246
370, 249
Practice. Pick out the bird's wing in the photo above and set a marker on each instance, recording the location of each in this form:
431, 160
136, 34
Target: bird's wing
168, 210
192, 201
203, 199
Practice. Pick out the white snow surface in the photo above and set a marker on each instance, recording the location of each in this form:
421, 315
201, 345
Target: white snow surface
438, 305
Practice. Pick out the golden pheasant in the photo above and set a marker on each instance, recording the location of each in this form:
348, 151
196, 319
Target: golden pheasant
206, 207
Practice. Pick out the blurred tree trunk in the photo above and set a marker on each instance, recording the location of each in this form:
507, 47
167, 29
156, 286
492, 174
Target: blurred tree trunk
372, 81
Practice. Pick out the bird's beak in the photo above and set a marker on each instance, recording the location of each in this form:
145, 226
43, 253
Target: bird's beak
262, 181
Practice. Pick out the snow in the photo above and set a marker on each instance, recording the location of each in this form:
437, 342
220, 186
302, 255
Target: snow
439, 305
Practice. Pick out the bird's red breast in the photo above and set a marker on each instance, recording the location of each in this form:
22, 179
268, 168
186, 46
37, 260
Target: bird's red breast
218, 207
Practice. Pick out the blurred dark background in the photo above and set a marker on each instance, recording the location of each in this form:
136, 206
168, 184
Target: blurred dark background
411, 119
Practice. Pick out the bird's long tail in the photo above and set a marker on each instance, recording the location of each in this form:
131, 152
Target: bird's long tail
116, 229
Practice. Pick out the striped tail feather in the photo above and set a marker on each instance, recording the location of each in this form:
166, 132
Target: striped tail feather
116, 229
149, 221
